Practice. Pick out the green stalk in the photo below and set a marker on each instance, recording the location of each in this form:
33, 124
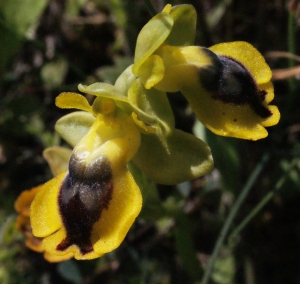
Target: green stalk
241, 198
291, 37
262, 203
150, 7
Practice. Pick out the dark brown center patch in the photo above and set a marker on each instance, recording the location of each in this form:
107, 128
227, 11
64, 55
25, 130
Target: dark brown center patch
229, 81
85, 192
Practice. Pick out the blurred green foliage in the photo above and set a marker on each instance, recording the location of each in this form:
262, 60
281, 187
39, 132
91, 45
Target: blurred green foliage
49, 46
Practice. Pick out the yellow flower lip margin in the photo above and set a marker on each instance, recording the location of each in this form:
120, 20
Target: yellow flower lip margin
63, 229
22, 207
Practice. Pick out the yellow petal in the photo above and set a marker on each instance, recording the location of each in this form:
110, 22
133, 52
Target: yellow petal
248, 56
180, 64
229, 119
269, 90
273, 119
151, 71
34, 244
151, 37
57, 258
44, 211
72, 100
115, 222
23, 202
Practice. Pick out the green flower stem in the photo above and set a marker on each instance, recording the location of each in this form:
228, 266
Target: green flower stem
291, 37
252, 179
262, 203
150, 7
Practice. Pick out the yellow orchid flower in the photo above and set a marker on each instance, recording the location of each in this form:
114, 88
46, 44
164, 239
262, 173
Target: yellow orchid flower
228, 85
87, 210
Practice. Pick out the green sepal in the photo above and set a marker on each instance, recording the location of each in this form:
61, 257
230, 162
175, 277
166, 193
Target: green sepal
102, 90
153, 108
188, 158
152, 35
72, 127
152, 205
57, 158
184, 28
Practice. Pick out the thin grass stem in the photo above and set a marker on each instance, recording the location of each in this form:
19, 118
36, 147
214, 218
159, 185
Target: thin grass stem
241, 198
150, 7
262, 203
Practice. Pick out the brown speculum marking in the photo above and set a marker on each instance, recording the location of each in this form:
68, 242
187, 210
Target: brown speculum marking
229, 81
85, 192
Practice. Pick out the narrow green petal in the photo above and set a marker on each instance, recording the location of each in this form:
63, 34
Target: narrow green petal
152, 107
72, 100
151, 71
184, 29
151, 37
58, 158
188, 158
72, 127
124, 81
105, 90
102, 90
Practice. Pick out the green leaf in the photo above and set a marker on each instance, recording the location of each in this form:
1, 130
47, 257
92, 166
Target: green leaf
10, 43
185, 248
226, 157
224, 269
73, 7
72, 127
184, 28
188, 158
152, 208
16, 16
70, 271
53, 73
152, 35
225, 154
58, 158
8, 230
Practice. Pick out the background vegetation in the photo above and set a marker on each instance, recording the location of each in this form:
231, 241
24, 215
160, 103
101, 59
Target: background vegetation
49, 46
